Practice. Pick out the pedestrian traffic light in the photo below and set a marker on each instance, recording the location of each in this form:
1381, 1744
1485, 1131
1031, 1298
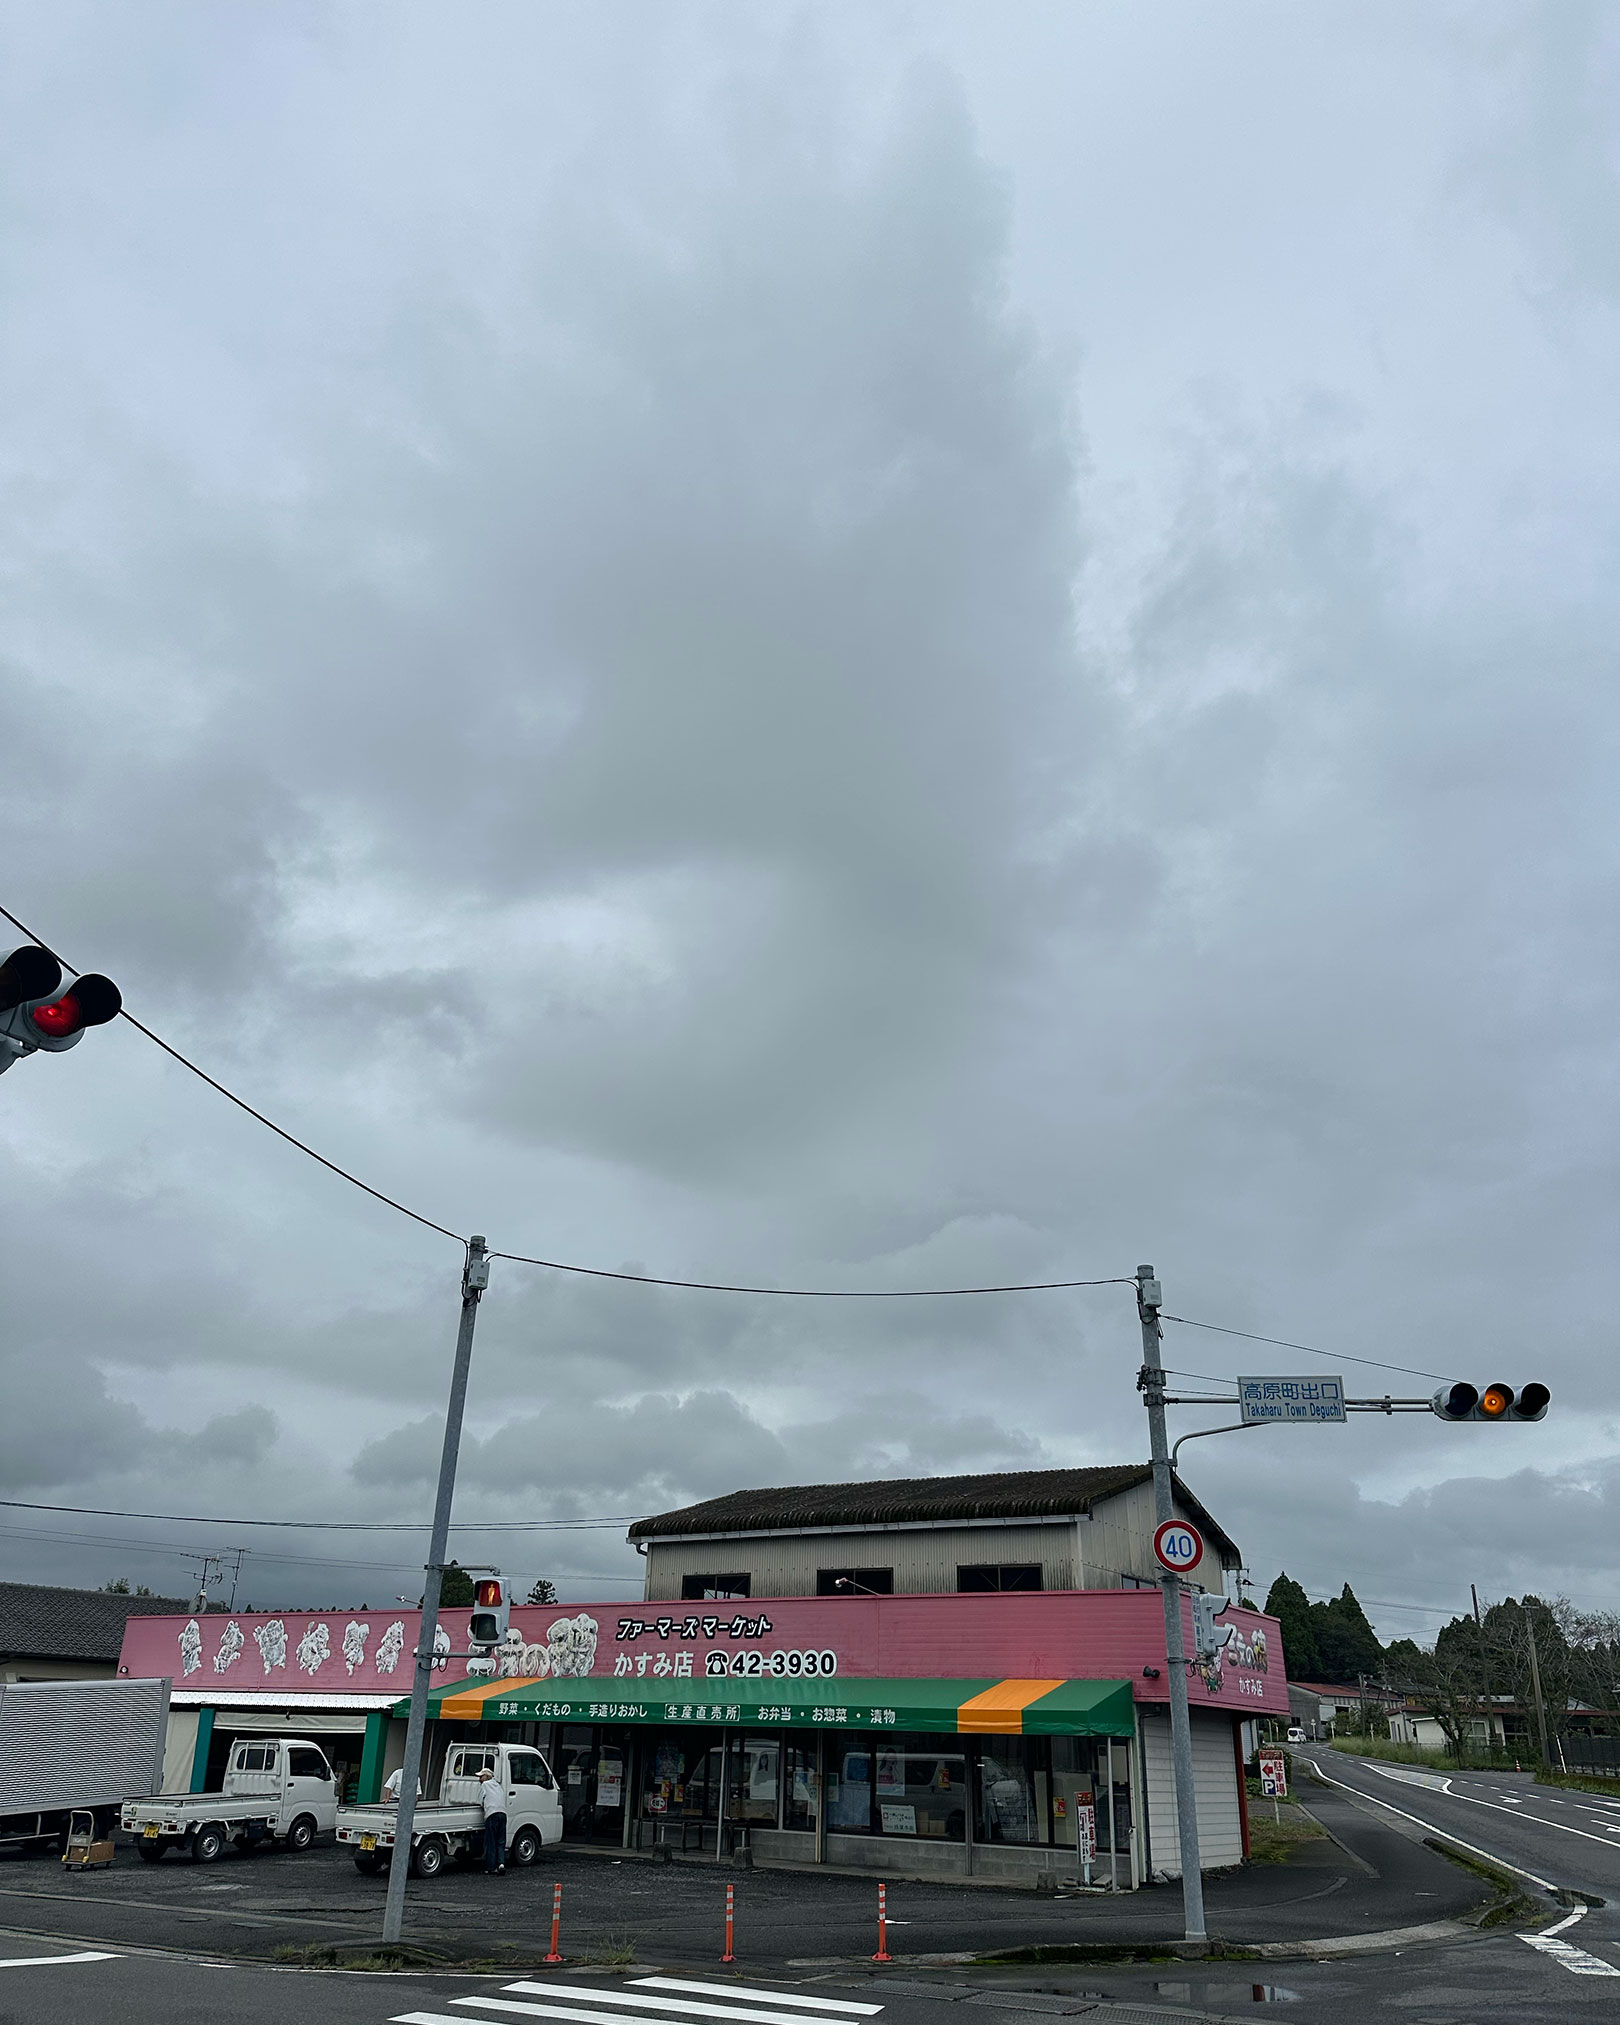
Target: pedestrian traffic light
37, 1014
1208, 1636
491, 1612
1462, 1401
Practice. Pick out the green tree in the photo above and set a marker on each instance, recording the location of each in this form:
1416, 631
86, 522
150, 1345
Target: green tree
544, 1590
119, 1586
1288, 1603
1346, 1644
456, 1590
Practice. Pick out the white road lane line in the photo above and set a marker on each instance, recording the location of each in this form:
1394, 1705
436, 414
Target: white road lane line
1473, 1849
54, 1961
776, 1996
1496, 1806
581, 2016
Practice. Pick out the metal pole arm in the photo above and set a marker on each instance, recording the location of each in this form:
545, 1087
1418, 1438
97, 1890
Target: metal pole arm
1232, 1427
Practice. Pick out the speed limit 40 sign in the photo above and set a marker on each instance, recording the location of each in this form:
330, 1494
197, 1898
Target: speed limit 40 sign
1178, 1546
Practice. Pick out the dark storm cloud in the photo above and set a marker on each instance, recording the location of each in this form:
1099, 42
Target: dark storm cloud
825, 649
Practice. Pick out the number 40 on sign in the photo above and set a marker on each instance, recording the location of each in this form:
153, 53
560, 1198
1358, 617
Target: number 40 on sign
1178, 1546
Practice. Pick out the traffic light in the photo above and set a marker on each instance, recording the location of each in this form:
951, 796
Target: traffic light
491, 1611
37, 1014
1208, 1636
1462, 1401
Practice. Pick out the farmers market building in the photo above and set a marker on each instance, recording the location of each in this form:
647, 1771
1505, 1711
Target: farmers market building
934, 1677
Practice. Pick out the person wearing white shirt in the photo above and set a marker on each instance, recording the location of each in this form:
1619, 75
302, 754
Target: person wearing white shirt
394, 1782
492, 1795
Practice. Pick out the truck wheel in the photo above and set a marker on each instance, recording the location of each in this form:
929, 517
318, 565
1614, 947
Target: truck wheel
207, 1842
301, 1834
428, 1859
369, 1863
151, 1852
524, 1847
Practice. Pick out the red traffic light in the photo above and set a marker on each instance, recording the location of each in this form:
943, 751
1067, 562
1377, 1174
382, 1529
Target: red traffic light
487, 1594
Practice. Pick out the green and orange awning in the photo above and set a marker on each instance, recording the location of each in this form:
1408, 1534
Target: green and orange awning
1015, 1708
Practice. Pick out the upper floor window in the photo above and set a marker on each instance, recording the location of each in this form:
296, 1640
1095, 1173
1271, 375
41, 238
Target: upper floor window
854, 1581
999, 1575
714, 1588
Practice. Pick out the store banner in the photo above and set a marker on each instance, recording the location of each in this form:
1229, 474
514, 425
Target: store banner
681, 1648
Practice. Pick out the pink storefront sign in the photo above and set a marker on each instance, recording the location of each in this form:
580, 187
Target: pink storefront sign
1094, 1634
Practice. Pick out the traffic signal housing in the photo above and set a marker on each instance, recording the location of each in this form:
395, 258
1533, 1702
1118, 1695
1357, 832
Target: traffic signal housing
1208, 1636
1498, 1402
491, 1611
39, 1015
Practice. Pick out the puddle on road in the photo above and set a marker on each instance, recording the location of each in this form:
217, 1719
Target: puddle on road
1219, 1996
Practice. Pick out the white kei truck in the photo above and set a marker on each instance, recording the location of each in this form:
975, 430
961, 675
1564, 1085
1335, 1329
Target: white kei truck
76, 1747
275, 1787
452, 1826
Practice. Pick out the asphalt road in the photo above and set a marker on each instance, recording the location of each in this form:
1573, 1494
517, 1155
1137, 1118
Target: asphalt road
266, 1905
1489, 1980
1556, 1839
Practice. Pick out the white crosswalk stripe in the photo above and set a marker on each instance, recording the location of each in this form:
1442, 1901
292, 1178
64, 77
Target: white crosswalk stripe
748, 2004
55, 1961
1576, 1960
776, 1996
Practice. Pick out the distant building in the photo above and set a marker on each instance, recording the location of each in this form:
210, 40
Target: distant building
68, 1634
924, 1536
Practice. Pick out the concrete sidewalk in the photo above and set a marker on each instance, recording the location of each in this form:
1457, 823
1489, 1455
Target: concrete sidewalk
1372, 1879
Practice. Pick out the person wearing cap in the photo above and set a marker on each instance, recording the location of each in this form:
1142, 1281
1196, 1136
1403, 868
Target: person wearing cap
492, 1797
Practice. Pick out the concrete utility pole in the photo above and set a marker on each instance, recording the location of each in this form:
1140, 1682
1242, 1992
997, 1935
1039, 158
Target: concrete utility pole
474, 1279
1149, 1299
1535, 1686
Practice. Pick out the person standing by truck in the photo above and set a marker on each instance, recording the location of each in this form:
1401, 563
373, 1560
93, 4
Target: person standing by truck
492, 1795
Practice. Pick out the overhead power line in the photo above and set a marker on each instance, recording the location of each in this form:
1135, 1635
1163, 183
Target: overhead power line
331, 1525
1310, 1349
559, 1265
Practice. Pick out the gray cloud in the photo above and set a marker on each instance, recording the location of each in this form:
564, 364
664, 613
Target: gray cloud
835, 650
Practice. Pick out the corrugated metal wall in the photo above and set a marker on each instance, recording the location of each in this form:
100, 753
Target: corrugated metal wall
924, 1558
82, 1741
1220, 1827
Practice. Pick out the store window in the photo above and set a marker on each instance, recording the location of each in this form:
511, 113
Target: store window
980, 1576
854, 1581
714, 1588
849, 1785
757, 1771
920, 1788
1014, 1791
801, 1793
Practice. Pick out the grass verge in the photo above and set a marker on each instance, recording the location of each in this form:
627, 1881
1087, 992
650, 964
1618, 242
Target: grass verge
1415, 1754
1580, 1782
1276, 1841
1510, 1905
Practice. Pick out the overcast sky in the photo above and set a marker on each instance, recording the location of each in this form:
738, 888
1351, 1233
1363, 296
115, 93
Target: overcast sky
847, 645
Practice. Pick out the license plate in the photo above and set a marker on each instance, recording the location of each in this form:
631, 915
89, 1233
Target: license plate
151, 1834
368, 1842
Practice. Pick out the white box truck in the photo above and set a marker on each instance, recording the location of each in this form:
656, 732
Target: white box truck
453, 1824
71, 1746
275, 1788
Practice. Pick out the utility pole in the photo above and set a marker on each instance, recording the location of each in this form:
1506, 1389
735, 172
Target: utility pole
1485, 1677
474, 1279
1535, 1685
1149, 1299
